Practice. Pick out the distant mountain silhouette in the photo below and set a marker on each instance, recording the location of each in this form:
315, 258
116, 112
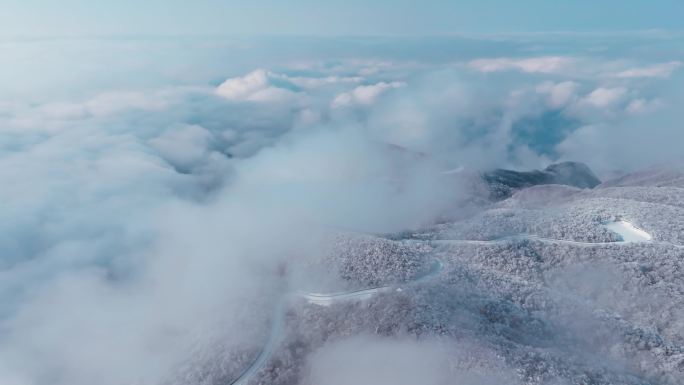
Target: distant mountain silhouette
503, 183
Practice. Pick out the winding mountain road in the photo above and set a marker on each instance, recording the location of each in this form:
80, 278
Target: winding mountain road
629, 234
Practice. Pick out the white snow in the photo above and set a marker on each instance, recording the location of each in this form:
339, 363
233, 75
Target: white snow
456, 170
629, 232
361, 295
329, 299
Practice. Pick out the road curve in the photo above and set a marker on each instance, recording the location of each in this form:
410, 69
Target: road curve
320, 299
277, 325
327, 299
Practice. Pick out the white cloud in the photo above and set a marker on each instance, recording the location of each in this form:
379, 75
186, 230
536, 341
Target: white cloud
637, 142
574, 67
380, 362
317, 82
256, 86
542, 64
559, 94
308, 117
364, 95
184, 146
603, 97
644, 106
660, 70
112, 102
114, 261
399, 361
600, 102
106, 104
360, 66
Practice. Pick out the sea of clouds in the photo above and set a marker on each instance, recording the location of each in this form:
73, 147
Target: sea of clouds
152, 189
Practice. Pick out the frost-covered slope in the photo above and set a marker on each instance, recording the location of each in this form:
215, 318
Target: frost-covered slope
554, 285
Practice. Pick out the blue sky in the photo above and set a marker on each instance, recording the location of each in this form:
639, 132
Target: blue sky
332, 17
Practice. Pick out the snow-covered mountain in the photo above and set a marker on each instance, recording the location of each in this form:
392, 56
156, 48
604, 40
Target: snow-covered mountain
554, 285
503, 183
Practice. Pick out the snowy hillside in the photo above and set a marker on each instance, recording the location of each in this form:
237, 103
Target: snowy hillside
554, 285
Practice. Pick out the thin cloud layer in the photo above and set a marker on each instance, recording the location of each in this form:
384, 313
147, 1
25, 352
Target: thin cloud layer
575, 67
373, 360
660, 70
544, 64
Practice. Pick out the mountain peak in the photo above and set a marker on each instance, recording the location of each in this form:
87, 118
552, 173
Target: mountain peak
503, 183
